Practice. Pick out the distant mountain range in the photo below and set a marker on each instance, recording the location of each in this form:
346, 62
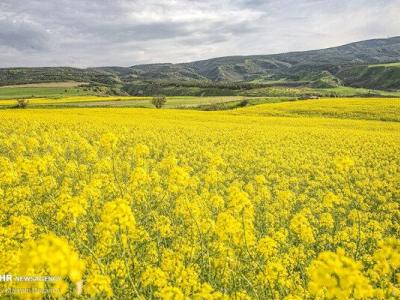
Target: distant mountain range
370, 64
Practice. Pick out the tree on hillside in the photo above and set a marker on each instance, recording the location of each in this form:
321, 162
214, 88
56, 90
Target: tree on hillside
159, 101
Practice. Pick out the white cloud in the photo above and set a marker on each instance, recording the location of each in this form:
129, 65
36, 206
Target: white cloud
127, 32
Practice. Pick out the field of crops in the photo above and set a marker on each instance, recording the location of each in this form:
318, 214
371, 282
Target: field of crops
256, 203
344, 108
127, 101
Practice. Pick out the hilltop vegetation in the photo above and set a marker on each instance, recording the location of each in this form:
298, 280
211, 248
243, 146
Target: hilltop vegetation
380, 76
12, 76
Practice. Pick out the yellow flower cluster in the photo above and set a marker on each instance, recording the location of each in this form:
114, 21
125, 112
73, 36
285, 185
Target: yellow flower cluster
150, 204
335, 276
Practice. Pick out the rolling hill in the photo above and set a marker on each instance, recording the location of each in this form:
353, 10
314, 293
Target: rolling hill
367, 64
292, 66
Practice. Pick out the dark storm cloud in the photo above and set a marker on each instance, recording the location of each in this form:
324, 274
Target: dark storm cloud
126, 32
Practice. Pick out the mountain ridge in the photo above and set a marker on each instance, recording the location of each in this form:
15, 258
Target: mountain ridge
333, 66
396, 38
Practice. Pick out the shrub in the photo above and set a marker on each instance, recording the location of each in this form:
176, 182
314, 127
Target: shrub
243, 103
159, 101
22, 103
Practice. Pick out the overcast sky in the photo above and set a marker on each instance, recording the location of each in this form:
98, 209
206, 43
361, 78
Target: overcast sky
127, 32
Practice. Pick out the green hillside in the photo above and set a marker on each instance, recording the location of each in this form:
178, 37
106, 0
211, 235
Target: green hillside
372, 64
382, 76
14, 76
318, 67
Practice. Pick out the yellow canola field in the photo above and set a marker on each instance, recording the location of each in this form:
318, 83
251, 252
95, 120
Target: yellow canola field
384, 109
169, 204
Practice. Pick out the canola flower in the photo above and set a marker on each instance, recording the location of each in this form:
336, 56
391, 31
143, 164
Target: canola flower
146, 204
335, 276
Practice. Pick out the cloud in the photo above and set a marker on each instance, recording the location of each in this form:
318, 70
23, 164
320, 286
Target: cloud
23, 36
127, 32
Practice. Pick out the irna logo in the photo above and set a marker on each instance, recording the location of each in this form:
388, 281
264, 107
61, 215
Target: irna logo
5, 277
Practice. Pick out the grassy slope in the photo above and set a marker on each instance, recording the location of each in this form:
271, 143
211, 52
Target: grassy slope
29, 92
395, 64
341, 91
